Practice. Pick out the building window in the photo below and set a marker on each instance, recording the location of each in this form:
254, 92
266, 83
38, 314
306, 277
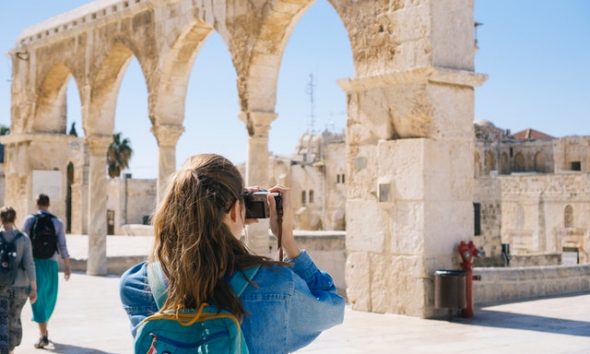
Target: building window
568, 216
311, 197
477, 219
519, 163
342, 178
337, 178
303, 199
576, 166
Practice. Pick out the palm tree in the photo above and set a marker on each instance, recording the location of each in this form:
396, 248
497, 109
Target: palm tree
4, 130
119, 155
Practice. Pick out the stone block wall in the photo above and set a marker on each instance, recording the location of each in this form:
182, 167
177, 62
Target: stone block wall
326, 248
131, 200
488, 193
513, 284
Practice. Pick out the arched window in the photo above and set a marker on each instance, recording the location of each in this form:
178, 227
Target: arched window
504, 164
519, 164
476, 165
490, 163
539, 162
568, 216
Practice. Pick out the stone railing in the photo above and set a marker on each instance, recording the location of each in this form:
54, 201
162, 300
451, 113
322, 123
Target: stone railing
327, 248
510, 284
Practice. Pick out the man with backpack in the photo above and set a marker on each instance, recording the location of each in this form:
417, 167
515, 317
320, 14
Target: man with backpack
48, 239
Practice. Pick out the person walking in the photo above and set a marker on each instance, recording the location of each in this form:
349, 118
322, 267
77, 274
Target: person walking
197, 245
17, 280
48, 239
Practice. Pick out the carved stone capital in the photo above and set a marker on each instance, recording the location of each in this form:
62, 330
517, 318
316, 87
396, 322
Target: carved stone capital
98, 144
424, 75
258, 123
167, 134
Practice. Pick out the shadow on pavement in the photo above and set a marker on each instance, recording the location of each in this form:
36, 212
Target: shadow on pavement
73, 349
500, 319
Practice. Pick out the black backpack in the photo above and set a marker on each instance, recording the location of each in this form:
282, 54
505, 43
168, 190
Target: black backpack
8, 266
43, 236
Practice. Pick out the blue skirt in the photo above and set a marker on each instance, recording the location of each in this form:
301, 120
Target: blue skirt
47, 282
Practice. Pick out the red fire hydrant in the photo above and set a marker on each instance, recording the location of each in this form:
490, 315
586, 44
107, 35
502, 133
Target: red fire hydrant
468, 251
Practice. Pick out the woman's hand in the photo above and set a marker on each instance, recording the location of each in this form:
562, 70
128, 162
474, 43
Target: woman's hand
288, 241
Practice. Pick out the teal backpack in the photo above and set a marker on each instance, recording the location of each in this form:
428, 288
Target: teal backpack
206, 330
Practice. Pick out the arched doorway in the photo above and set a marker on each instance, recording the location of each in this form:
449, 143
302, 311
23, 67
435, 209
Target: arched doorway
69, 182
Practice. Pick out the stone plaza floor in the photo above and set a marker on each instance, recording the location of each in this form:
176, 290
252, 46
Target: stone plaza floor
89, 319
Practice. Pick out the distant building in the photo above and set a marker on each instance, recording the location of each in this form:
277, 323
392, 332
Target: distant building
532, 193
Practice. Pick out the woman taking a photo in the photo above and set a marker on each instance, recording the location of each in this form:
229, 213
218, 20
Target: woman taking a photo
197, 230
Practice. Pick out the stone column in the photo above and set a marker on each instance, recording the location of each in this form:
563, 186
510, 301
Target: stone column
410, 186
97, 204
167, 137
257, 171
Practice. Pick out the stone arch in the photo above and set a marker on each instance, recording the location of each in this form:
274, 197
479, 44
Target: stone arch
171, 85
490, 163
105, 83
50, 107
519, 163
275, 32
504, 164
476, 165
568, 216
539, 162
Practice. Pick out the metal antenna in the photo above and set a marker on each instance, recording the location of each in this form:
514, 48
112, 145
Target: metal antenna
311, 92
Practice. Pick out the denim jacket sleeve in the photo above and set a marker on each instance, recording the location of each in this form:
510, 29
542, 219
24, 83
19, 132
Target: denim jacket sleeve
315, 305
136, 295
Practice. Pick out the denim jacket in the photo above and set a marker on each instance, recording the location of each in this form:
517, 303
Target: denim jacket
287, 309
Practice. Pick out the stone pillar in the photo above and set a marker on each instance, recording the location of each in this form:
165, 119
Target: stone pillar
257, 172
167, 137
409, 186
97, 204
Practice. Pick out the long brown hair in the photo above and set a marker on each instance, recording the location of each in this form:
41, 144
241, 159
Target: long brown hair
195, 247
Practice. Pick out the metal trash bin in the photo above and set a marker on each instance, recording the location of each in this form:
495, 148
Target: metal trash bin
449, 289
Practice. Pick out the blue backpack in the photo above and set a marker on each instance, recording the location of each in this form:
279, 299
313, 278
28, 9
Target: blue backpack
206, 330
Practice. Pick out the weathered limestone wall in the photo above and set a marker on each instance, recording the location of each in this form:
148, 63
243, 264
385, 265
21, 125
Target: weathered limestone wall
572, 149
131, 199
488, 193
534, 213
43, 153
511, 284
335, 186
326, 248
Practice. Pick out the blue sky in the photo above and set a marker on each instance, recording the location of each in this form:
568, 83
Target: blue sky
537, 54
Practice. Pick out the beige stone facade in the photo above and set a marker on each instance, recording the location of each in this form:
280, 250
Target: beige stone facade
410, 108
315, 174
533, 193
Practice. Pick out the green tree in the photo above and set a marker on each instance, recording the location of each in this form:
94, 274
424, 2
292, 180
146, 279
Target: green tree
4, 130
73, 130
119, 155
